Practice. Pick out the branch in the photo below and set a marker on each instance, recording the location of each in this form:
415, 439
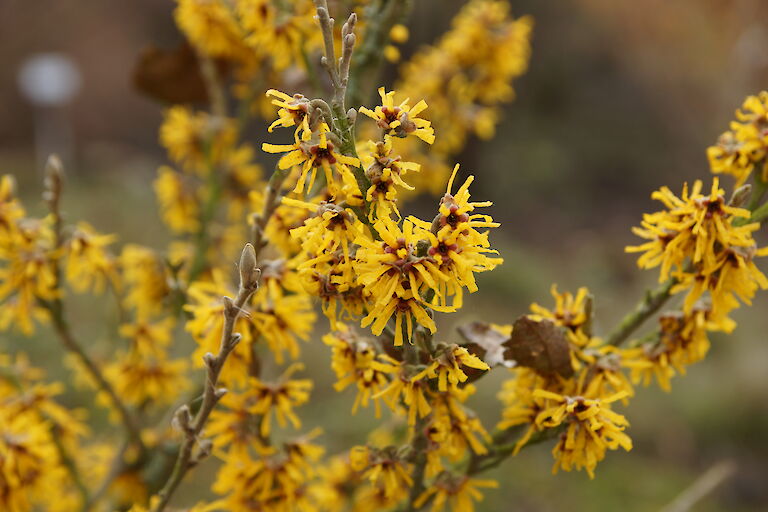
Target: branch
271, 202
651, 303
703, 485
503, 446
70, 466
52, 194
655, 299
61, 327
249, 283
343, 120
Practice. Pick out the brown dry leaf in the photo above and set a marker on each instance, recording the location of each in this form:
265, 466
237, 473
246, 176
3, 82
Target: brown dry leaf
541, 346
171, 76
485, 342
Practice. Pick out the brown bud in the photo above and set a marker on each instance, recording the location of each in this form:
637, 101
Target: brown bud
235, 339
209, 360
740, 196
249, 272
54, 177
182, 419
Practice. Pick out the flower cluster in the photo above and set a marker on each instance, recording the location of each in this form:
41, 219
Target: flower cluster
466, 75
328, 227
576, 402
704, 248
701, 242
744, 147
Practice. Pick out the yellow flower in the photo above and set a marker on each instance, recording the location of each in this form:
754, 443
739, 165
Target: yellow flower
145, 277
457, 492
727, 157
24, 393
393, 276
520, 406
274, 481
141, 380
332, 278
279, 227
745, 145
406, 308
326, 238
30, 472
354, 361
603, 374
313, 151
446, 367
569, 311
469, 71
279, 398
211, 26
692, 227
280, 32
89, 264
195, 139
334, 489
206, 323
400, 120
178, 200
456, 247
454, 429
591, 429
149, 338
385, 170
411, 390
382, 467
329, 229
234, 426
11, 209
699, 241
682, 342
733, 275
293, 111
26, 274
282, 320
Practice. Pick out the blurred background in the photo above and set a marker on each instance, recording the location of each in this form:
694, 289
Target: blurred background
620, 98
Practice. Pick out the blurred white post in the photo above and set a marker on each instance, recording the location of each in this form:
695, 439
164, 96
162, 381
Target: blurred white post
49, 81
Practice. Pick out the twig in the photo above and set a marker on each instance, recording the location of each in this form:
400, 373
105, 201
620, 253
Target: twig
651, 303
703, 485
218, 106
249, 282
70, 466
116, 468
271, 202
503, 446
655, 299
55, 308
370, 56
420, 466
52, 195
213, 86
343, 120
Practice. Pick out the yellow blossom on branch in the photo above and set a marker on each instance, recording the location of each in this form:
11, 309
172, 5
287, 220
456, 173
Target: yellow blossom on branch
401, 120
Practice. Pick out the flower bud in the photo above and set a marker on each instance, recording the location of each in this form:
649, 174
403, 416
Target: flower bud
740, 196
249, 272
182, 419
54, 176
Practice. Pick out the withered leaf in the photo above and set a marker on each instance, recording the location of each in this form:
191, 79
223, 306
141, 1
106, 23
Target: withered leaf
541, 346
171, 76
485, 342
